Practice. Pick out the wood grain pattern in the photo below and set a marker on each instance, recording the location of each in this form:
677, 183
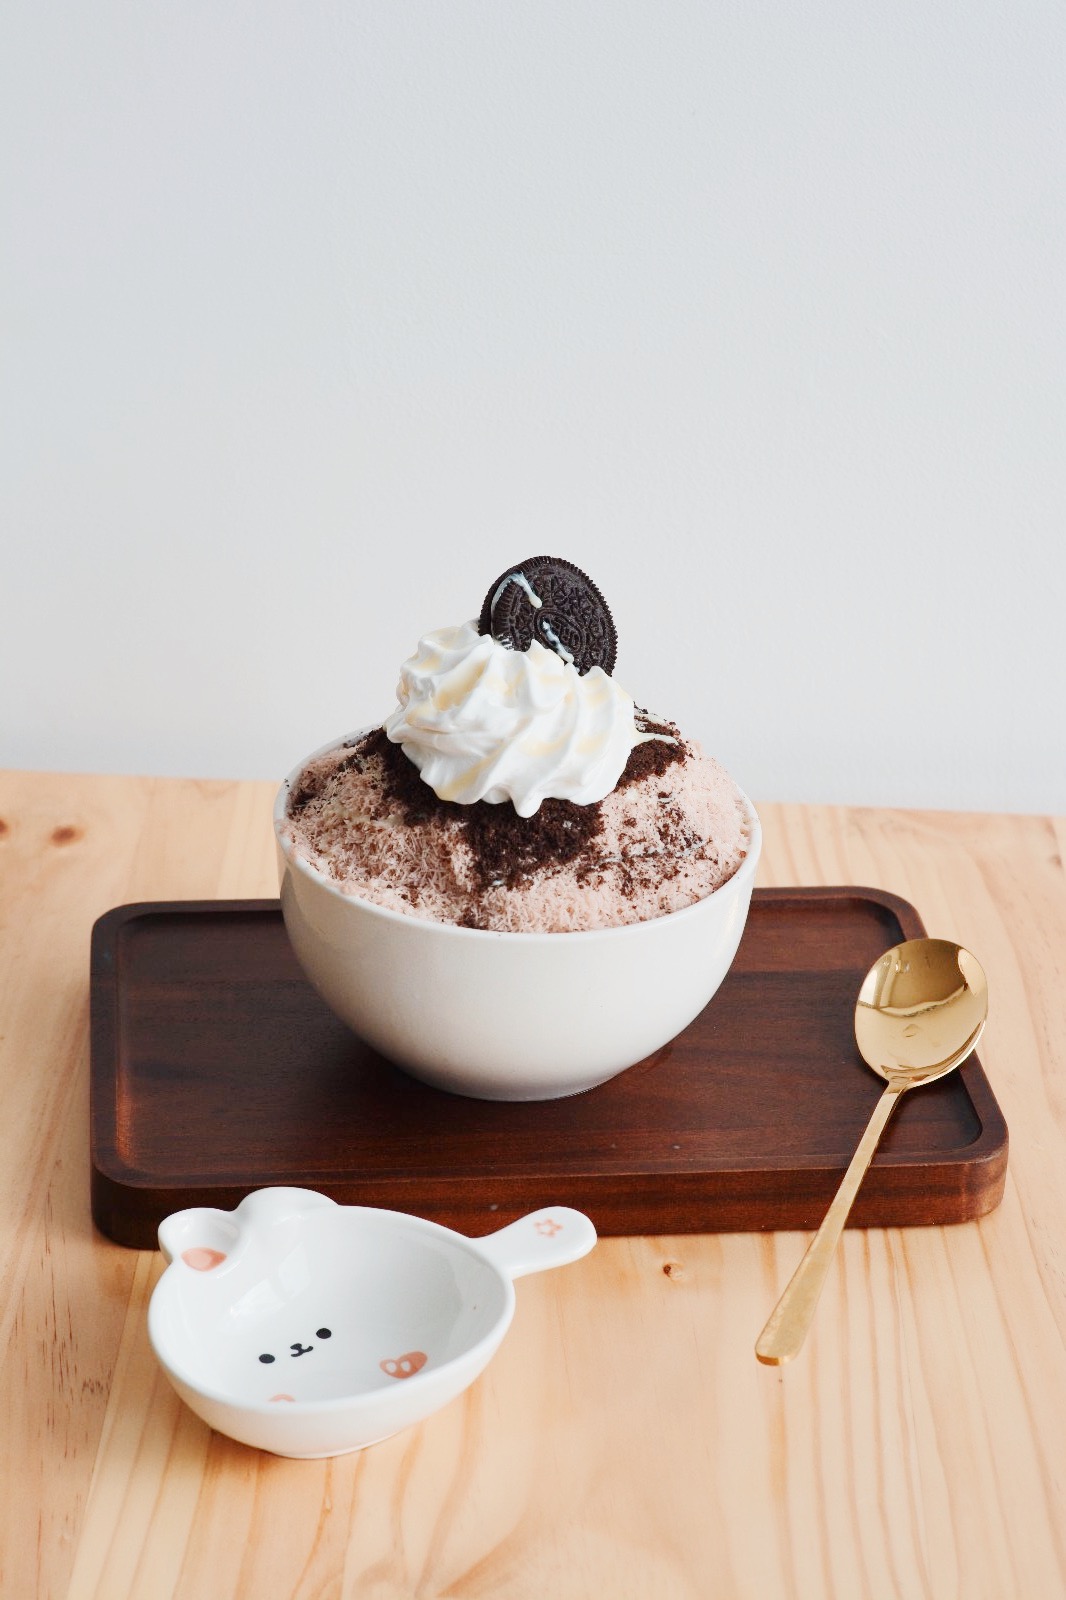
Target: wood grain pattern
215, 1068
624, 1441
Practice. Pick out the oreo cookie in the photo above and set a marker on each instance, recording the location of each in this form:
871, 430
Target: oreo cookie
554, 602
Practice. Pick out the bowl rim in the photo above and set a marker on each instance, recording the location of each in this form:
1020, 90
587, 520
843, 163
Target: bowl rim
745, 871
363, 1401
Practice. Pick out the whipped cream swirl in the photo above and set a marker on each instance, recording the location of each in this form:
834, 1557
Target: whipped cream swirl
482, 722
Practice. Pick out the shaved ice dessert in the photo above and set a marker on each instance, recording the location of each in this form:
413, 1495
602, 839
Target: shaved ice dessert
516, 787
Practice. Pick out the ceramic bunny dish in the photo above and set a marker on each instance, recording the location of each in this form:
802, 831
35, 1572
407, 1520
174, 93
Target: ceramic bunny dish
308, 1328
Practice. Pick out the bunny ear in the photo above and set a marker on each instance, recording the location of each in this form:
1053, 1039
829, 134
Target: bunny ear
273, 1218
202, 1237
278, 1203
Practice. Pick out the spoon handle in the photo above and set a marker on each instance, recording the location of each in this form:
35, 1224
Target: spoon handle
790, 1319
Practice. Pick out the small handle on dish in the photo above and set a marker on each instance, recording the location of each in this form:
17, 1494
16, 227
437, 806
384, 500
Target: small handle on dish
550, 1237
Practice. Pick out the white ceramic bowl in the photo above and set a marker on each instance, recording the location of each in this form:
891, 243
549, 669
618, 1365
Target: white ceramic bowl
310, 1329
509, 1016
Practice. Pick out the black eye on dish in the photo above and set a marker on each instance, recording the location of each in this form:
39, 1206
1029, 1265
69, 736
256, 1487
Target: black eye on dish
323, 1333
266, 1358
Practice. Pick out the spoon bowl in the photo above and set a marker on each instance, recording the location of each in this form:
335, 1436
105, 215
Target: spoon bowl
920, 1012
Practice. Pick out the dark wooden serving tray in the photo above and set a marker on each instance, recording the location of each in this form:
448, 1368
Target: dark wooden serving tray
217, 1069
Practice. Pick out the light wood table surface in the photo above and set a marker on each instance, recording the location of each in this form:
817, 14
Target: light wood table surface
624, 1441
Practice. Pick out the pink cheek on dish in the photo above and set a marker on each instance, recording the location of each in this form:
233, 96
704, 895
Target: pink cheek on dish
404, 1366
201, 1259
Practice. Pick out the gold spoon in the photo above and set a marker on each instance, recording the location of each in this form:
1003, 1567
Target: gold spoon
919, 1014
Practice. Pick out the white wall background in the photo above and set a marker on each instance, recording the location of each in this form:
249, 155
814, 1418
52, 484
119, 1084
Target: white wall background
316, 315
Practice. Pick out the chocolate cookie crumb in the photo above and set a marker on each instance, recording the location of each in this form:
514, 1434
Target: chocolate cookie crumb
314, 781
653, 756
507, 848
363, 816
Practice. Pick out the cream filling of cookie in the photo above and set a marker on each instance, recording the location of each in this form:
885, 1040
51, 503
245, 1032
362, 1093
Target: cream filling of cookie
537, 603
